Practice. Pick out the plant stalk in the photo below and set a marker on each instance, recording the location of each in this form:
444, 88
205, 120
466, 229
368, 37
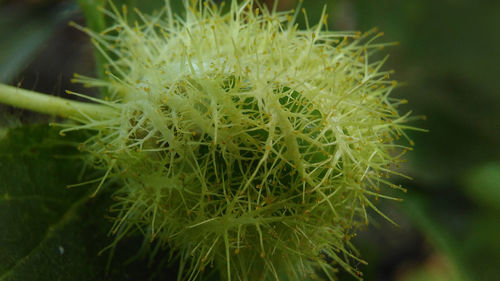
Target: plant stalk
52, 105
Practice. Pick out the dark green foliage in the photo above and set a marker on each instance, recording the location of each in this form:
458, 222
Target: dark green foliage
49, 232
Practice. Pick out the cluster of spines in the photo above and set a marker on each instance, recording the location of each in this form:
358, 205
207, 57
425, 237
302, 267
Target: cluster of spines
241, 140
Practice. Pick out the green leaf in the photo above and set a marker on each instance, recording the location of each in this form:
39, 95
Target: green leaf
418, 208
39, 216
150, 7
49, 232
96, 22
482, 185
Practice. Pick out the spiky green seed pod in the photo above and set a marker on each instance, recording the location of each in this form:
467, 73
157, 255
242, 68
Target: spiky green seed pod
240, 141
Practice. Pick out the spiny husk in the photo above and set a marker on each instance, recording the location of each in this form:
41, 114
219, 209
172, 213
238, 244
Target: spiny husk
242, 142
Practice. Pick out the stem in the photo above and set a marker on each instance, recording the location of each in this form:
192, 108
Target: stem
50, 104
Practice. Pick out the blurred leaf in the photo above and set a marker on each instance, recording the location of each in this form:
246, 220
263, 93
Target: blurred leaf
93, 17
435, 268
149, 7
420, 210
465, 235
449, 78
482, 184
95, 21
481, 249
24, 32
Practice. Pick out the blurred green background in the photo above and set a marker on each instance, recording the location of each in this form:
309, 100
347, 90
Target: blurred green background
448, 58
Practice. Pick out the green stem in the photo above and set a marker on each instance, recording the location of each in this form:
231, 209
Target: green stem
50, 104
95, 21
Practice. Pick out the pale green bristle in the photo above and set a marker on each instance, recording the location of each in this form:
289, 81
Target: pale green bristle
243, 142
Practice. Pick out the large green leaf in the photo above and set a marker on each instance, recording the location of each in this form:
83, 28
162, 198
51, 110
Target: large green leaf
49, 232
424, 216
39, 216
482, 185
